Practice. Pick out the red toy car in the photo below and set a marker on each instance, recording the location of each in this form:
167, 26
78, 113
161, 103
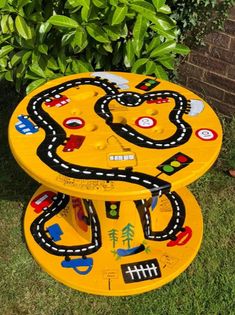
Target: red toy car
58, 100
73, 142
43, 200
182, 238
158, 100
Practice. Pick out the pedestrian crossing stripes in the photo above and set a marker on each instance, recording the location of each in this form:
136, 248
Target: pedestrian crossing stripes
140, 271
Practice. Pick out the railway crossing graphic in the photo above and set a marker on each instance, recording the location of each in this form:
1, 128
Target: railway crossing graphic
114, 152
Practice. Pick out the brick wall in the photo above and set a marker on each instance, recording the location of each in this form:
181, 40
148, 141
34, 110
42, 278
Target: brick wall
210, 71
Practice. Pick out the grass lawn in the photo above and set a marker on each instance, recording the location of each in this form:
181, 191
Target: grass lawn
206, 287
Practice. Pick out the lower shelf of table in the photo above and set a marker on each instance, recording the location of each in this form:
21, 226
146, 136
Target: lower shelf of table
113, 248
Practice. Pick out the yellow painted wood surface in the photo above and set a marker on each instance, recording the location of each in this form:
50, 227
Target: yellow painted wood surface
102, 148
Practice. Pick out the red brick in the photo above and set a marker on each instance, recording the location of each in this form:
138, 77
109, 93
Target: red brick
181, 79
205, 89
231, 72
189, 70
229, 98
204, 50
222, 107
232, 13
232, 45
223, 54
219, 81
208, 63
229, 27
218, 39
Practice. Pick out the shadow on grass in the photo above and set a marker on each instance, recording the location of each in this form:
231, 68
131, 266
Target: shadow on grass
15, 185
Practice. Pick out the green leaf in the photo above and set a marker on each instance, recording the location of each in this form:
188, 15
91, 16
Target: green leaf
84, 66
160, 72
10, 24
108, 47
167, 61
169, 34
52, 64
150, 67
67, 38
37, 70
22, 3
84, 3
4, 38
161, 6
42, 62
113, 32
35, 84
43, 30
20, 71
26, 56
17, 58
163, 21
49, 73
129, 58
155, 42
22, 27
85, 13
2, 75
43, 48
62, 21
119, 15
9, 76
163, 48
100, 3
36, 17
148, 11
30, 8
144, 8
181, 49
3, 3
35, 56
5, 50
97, 33
140, 27
114, 2
74, 3
30, 75
158, 3
117, 53
165, 9
81, 66
79, 40
3, 63
138, 64
4, 25
62, 61
124, 31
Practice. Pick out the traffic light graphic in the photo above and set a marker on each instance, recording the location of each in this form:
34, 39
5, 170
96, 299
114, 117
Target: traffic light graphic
175, 163
112, 209
147, 84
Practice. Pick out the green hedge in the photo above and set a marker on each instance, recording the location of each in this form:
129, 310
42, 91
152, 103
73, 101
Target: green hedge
41, 40
196, 18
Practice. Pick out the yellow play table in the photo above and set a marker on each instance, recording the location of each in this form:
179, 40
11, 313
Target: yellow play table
113, 152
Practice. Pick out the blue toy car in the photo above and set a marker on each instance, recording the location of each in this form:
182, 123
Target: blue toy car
55, 232
77, 263
25, 126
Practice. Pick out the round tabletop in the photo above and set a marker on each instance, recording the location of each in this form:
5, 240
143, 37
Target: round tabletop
114, 136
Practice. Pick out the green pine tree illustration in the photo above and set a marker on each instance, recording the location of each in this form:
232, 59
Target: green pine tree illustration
128, 234
113, 236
